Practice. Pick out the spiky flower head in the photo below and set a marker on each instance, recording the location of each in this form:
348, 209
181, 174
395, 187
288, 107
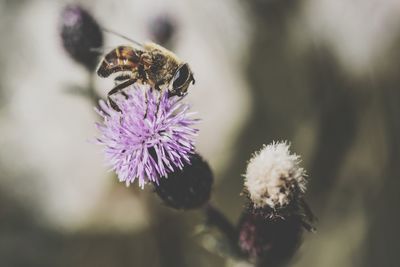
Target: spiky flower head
273, 177
149, 138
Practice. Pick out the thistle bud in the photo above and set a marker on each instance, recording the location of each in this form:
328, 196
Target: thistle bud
162, 29
188, 188
269, 241
81, 35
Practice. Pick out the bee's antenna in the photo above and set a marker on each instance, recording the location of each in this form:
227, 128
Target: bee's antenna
120, 35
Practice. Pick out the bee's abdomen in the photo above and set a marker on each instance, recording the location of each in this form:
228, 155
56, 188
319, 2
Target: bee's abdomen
106, 70
122, 58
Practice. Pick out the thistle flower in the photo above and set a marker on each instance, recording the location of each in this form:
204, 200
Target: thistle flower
151, 137
188, 188
81, 35
269, 241
271, 227
273, 177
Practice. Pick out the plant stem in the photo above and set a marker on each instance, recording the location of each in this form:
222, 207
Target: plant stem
216, 218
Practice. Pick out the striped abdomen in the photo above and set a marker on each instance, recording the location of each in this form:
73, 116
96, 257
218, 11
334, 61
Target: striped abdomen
122, 58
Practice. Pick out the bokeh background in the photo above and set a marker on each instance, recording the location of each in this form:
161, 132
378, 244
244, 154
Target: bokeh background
323, 74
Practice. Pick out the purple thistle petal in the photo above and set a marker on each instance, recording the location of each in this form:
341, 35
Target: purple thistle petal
151, 136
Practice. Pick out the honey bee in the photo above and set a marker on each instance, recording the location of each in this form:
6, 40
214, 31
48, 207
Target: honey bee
148, 64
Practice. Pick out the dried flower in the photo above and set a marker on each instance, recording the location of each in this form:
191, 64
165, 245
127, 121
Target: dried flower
81, 35
188, 188
272, 225
269, 241
151, 137
273, 177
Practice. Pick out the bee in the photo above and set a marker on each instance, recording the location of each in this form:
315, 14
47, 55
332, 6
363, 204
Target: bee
150, 64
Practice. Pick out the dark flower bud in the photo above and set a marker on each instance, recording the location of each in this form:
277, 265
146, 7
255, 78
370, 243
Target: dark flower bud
81, 36
269, 241
162, 29
188, 188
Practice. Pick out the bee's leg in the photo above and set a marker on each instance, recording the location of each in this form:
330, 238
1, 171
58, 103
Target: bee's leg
147, 105
158, 103
157, 87
120, 79
141, 74
117, 89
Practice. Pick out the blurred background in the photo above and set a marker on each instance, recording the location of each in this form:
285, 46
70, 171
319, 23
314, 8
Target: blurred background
323, 74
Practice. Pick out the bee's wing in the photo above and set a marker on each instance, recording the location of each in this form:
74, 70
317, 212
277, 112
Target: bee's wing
121, 58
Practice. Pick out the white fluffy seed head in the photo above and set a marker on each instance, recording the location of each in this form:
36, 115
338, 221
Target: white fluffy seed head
273, 177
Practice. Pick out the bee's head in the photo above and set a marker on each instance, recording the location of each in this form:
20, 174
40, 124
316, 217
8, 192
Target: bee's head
181, 80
